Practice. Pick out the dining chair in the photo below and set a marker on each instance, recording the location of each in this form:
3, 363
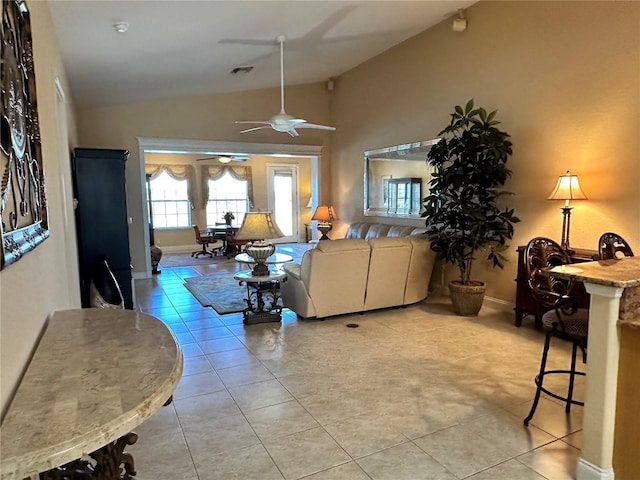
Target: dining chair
611, 244
563, 319
204, 238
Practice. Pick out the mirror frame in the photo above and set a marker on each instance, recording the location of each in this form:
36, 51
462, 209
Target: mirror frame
416, 151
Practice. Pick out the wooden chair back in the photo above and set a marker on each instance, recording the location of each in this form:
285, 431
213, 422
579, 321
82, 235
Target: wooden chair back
543, 253
611, 245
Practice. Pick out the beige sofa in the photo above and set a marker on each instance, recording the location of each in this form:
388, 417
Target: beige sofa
359, 274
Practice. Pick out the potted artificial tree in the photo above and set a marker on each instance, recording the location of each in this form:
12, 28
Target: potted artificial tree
462, 211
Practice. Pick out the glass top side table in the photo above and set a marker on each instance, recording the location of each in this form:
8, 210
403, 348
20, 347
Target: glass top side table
271, 260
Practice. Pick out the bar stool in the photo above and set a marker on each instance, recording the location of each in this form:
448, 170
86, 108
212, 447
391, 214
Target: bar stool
564, 320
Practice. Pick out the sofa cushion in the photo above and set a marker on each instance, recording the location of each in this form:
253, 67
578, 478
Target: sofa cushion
335, 275
377, 230
420, 269
358, 230
387, 272
367, 230
342, 245
400, 231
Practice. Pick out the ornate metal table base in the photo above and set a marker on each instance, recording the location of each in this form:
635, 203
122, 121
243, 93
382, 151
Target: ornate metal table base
263, 294
111, 463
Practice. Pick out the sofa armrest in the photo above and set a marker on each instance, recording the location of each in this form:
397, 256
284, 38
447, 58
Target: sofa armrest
293, 270
294, 292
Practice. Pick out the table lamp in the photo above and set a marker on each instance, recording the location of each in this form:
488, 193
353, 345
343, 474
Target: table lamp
324, 214
567, 188
258, 227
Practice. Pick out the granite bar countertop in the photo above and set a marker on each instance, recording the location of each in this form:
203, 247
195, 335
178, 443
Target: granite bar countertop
621, 273
95, 376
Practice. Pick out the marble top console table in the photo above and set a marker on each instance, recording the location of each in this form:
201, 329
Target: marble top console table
613, 350
96, 375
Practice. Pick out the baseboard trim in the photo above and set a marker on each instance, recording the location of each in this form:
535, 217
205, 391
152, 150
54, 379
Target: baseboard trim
588, 471
499, 304
180, 248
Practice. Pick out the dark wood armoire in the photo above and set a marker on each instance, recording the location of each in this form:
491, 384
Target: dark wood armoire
101, 217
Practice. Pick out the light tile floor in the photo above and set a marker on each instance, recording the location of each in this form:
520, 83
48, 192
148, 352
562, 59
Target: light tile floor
413, 393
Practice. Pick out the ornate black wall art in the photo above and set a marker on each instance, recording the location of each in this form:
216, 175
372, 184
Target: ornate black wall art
23, 207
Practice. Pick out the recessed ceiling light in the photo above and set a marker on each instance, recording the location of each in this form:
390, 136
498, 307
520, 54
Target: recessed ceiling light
121, 27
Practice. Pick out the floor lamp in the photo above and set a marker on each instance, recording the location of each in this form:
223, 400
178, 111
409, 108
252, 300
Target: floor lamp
567, 188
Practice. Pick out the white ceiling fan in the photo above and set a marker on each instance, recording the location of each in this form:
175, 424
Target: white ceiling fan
225, 158
283, 122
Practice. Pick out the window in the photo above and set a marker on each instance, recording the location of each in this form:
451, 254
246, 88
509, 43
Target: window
170, 202
227, 195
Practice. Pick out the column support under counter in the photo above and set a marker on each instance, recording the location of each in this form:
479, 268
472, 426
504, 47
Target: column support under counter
610, 422
596, 461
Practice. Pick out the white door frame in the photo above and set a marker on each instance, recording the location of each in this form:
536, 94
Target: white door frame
171, 145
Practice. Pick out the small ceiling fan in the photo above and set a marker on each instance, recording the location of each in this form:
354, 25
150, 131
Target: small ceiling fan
225, 158
283, 122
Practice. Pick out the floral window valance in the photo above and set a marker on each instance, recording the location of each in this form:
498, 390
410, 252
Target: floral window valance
216, 172
177, 172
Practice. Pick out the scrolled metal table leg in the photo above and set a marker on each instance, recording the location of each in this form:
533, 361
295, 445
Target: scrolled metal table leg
112, 463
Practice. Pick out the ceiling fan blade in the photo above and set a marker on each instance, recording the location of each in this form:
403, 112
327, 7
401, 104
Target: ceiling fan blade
254, 129
313, 125
246, 41
259, 122
292, 132
317, 33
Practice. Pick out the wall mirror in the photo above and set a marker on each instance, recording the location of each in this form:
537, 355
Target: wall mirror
396, 179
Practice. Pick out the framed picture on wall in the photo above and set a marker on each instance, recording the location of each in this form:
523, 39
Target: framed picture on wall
23, 208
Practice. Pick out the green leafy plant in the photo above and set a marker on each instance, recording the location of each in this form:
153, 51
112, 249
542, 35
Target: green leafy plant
462, 209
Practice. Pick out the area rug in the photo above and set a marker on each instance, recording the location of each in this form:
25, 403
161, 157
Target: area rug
222, 292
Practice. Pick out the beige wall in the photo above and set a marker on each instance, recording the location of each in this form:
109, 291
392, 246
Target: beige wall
179, 237
564, 77
45, 279
203, 117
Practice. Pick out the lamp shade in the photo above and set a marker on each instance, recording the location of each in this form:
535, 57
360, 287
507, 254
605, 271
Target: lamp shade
324, 213
258, 226
567, 188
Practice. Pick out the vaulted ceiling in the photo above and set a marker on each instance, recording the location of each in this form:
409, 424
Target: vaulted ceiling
184, 47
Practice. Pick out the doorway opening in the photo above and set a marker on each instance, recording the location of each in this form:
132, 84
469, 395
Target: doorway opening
210, 148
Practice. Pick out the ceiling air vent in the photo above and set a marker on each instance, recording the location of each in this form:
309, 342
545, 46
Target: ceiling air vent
238, 70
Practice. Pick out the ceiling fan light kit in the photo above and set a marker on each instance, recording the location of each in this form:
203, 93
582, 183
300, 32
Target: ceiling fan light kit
225, 158
283, 122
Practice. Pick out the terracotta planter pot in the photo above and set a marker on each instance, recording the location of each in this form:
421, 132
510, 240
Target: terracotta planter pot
467, 299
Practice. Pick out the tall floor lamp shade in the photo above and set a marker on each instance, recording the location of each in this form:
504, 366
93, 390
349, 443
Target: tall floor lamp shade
258, 227
325, 215
567, 188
